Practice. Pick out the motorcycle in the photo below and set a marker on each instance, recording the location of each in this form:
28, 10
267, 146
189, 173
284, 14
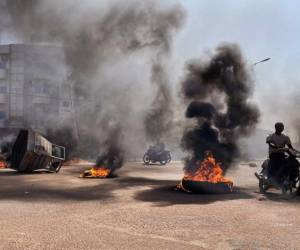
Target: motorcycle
290, 179
153, 156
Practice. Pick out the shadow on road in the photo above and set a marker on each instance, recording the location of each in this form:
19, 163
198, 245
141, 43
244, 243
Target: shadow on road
41, 186
67, 186
283, 198
46, 194
167, 196
163, 193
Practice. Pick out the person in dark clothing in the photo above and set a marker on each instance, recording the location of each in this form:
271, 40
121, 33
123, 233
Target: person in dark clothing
277, 147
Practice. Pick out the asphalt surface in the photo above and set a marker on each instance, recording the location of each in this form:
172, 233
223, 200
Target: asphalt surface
139, 209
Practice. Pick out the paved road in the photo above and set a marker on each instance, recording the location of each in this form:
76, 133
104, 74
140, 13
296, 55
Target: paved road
139, 209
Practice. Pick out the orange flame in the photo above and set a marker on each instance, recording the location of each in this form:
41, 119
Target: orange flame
209, 170
100, 172
3, 164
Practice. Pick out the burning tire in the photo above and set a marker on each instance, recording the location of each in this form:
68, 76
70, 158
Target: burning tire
97, 172
205, 187
207, 178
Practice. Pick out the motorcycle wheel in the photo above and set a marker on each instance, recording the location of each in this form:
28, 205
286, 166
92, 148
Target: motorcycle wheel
146, 159
164, 161
287, 187
263, 186
297, 186
286, 190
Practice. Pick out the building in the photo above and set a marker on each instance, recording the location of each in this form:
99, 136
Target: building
34, 88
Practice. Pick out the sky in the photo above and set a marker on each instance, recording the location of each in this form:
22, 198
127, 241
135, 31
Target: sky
262, 28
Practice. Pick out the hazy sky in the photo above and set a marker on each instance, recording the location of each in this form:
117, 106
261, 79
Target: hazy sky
262, 28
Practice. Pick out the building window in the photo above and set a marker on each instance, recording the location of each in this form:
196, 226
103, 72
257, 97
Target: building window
42, 88
2, 115
66, 104
3, 73
3, 60
3, 89
4, 57
2, 65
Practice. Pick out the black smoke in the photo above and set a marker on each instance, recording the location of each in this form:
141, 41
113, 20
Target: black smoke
98, 44
159, 118
111, 156
218, 127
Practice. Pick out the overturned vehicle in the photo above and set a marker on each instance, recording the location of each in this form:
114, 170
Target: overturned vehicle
31, 151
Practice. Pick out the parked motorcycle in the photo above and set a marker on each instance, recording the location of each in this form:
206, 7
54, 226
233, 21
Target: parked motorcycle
153, 156
290, 179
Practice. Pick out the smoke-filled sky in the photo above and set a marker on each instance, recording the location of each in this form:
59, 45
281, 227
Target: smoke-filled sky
261, 28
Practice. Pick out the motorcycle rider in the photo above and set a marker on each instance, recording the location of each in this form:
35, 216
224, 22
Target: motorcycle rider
157, 153
159, 148
277, 142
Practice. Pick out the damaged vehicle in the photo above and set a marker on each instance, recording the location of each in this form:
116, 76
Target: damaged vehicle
31, 151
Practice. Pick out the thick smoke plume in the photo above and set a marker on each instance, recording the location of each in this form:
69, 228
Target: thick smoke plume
159, 118
217, 93
112, 156
106, 45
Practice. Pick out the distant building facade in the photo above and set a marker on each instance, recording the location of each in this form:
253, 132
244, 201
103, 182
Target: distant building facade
34, 88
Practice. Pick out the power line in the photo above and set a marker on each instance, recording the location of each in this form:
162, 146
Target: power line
264, 60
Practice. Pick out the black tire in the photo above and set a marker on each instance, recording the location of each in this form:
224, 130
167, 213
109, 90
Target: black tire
284, 190
163, 160
146, 159
263, 186
287, 191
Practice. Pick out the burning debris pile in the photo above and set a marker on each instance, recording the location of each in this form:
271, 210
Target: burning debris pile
3, 164
3, 159
96, 172
5, 150
105, 166
217, 93
110, 160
